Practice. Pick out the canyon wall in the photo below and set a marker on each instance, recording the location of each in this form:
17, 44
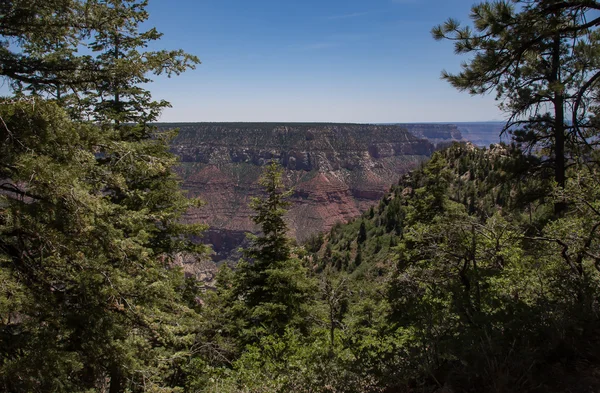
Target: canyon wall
336, 170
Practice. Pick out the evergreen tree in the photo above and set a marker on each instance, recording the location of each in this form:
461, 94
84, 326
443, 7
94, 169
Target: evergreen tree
539, 57
362, 233
272, 284
89, 212
273, 245
41, 55
117, 42
358, 257
39, 42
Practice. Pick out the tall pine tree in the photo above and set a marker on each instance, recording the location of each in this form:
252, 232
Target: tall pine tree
272, 286
539, 57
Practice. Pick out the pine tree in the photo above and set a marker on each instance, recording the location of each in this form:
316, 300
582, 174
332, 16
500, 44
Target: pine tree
272, 284
273, 245
362, 233
539, 57
39, 42
42, 56
117, 43
358, 257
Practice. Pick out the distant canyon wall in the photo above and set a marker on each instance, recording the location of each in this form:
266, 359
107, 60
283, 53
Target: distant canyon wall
479, 133
434, 133
337, 171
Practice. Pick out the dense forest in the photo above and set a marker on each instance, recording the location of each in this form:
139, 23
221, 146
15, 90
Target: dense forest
477, 272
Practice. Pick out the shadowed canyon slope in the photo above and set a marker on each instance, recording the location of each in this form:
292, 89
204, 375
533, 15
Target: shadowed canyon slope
336, 170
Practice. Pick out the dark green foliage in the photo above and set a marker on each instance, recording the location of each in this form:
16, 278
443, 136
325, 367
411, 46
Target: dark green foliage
472, 272
314, 243
93, 283
90, 296
358, 257
273, 245
269, 291
462, 174
42, 56
464, 282
362, 233
119, 96
462, 278
38, 44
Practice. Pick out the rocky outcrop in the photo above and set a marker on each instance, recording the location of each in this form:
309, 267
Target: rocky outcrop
336, 170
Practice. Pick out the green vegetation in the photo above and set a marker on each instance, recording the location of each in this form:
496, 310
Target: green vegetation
465, 277
461, 278
90, 296
479, 271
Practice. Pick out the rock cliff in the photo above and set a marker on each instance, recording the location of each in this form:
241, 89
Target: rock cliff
336, 170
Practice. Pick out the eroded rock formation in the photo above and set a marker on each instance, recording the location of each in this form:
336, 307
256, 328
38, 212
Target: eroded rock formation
336, 170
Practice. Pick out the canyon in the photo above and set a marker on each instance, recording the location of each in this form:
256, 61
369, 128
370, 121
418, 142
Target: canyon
336, 171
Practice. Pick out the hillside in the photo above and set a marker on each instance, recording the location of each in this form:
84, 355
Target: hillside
481, 181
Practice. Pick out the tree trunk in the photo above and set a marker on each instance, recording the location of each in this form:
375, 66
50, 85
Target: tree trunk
116, 380
559, 122
117, 97
332, 330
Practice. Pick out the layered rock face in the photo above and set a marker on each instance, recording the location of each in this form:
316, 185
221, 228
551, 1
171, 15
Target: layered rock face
336, 170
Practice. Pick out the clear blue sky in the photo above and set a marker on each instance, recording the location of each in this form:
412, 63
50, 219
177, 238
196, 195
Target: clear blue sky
314, 60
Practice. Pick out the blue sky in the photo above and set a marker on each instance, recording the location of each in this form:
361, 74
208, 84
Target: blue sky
309, 60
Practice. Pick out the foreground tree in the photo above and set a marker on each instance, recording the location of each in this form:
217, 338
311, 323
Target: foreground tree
90, 297
41, 55
39, 41
540, 58
119, 95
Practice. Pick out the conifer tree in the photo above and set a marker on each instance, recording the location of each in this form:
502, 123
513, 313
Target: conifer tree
89, 211
39, 38
272, 283
539, 57
273, 245
362, 233
117, 44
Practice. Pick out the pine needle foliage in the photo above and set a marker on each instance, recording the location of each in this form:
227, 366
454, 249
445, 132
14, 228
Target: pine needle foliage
91, 298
